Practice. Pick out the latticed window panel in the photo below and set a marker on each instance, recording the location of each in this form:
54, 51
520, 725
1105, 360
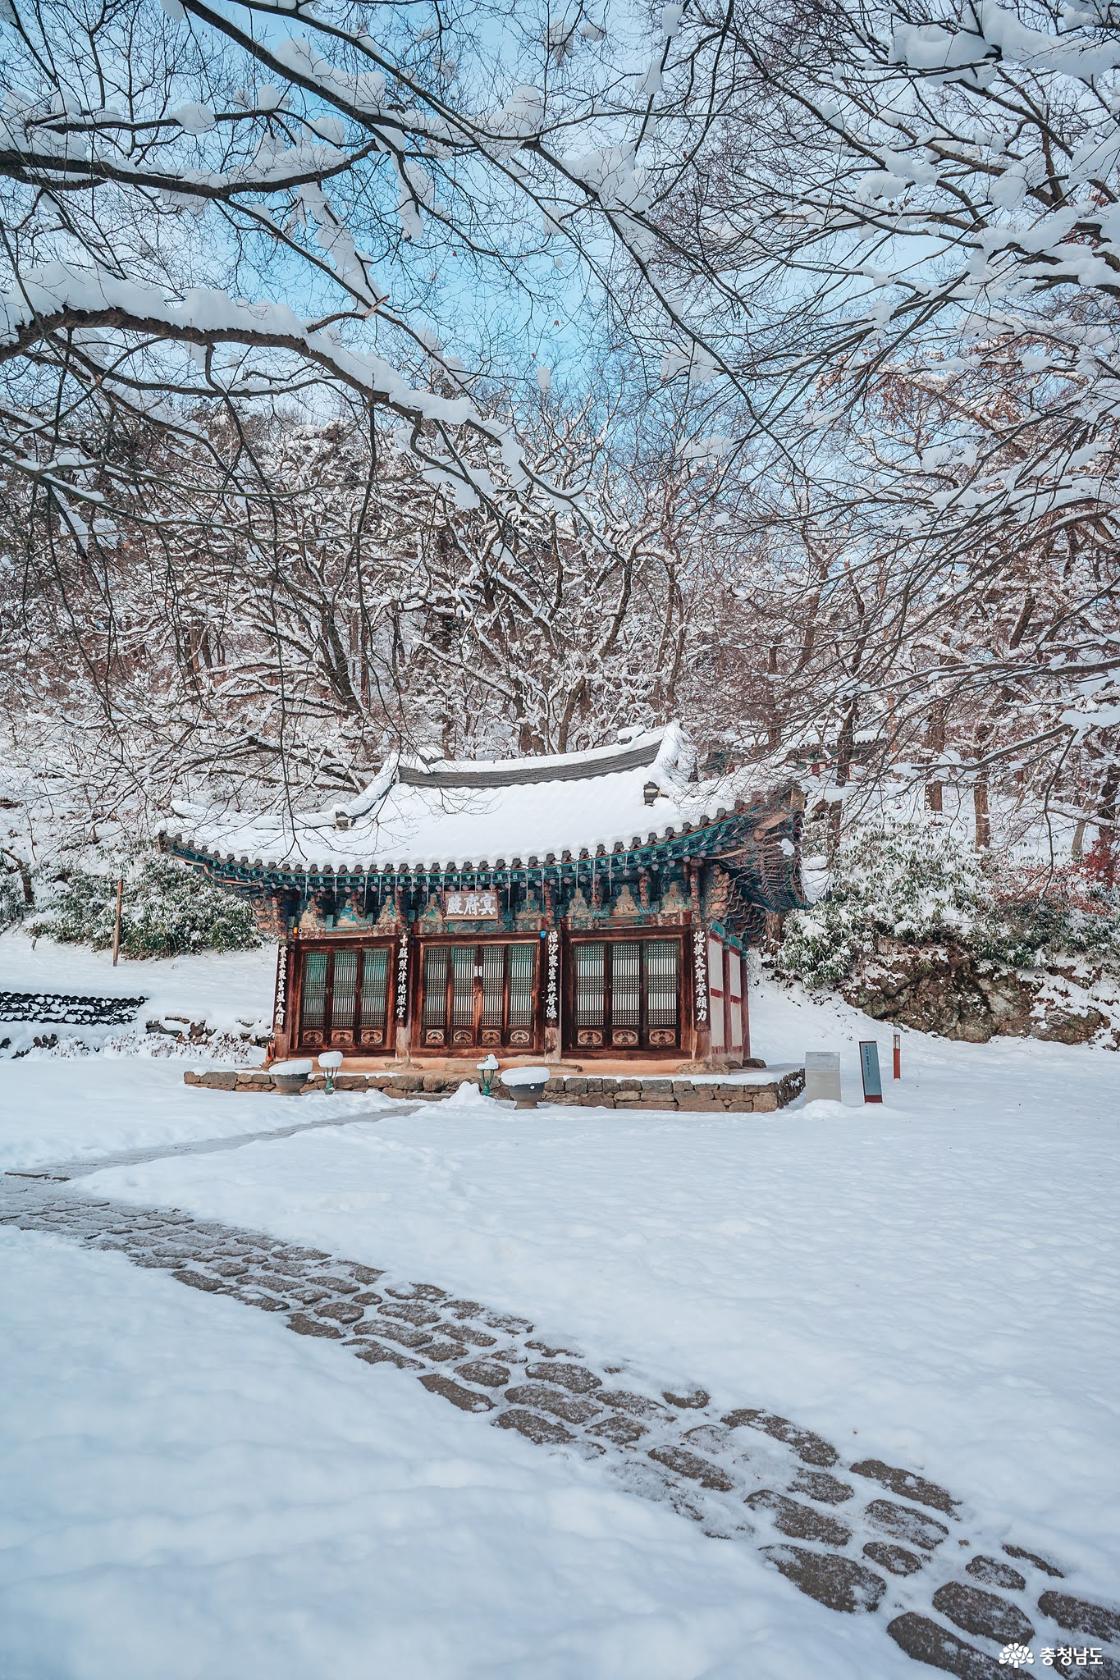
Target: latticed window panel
344, 990
462, 985
375, 987
590, 967
662, 982
522, 964
313, 1008
626, 985
344, 996
479, 994
626, 993
493, 984
435, 985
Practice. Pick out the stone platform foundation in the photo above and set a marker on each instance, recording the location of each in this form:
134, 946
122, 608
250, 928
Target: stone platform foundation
579, 1090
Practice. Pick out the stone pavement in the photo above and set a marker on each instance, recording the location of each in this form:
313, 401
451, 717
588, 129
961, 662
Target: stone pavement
861, 1536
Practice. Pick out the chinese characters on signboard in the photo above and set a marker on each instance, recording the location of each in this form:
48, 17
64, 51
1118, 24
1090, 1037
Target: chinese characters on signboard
480, 905
700, 957
552, 988
402, 978
281, 1008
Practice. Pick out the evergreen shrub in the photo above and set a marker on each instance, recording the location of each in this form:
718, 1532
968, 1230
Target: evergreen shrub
165, 912
917, 884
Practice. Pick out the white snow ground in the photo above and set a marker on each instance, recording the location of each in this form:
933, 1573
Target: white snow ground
932, 1282
221, 987
55, 1109
934, 1279
192, 1491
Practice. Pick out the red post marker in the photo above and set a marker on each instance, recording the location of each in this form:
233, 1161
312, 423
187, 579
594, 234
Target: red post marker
898, 1055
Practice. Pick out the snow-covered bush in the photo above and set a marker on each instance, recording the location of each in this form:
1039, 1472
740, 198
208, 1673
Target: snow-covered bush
165, 911
916, 884
1065, 913
909, 882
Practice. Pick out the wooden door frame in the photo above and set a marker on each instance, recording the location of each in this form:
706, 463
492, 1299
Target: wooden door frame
743, 1049
728, 1003
680, 934
719, 995
358, 943
421, 941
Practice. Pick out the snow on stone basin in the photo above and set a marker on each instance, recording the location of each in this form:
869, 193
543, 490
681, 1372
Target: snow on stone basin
55, 1110
933, 1281
516, 1078
191, 1490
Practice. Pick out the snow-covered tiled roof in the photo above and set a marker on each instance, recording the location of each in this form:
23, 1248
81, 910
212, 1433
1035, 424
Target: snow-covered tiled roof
470, 814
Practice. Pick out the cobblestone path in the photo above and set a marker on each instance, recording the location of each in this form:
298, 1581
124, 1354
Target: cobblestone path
861, 1536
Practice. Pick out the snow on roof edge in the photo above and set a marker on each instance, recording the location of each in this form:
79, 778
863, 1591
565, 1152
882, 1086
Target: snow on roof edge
269, 842
536, 762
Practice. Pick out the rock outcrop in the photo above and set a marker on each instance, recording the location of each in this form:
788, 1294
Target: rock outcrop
947, 989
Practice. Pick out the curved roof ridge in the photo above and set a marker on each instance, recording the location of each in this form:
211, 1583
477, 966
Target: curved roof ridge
634, 753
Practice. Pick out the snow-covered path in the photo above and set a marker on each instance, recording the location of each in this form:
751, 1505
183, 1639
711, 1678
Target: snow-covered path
191, 1491
939, 1275
928, 1285
57, 1109
748, 1475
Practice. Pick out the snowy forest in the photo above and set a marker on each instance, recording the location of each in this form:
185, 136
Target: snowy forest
480, 378
647, 1214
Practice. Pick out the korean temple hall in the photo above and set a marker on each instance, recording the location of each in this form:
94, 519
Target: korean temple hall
589, 910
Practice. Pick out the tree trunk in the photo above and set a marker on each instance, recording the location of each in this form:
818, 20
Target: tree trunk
1106, 822
845, 745
982, 814
773, 727
935, 741
23, 870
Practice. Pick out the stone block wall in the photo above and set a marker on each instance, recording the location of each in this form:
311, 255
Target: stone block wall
583, 1091
682, 1094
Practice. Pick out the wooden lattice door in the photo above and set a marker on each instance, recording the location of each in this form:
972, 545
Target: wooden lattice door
625, 994
344, 998
482, 996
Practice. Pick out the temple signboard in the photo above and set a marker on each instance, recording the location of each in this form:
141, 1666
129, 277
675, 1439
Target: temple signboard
477, 906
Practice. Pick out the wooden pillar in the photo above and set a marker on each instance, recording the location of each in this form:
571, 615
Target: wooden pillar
701, 1021
283, 1002
553, 987
697, 969
406, 957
